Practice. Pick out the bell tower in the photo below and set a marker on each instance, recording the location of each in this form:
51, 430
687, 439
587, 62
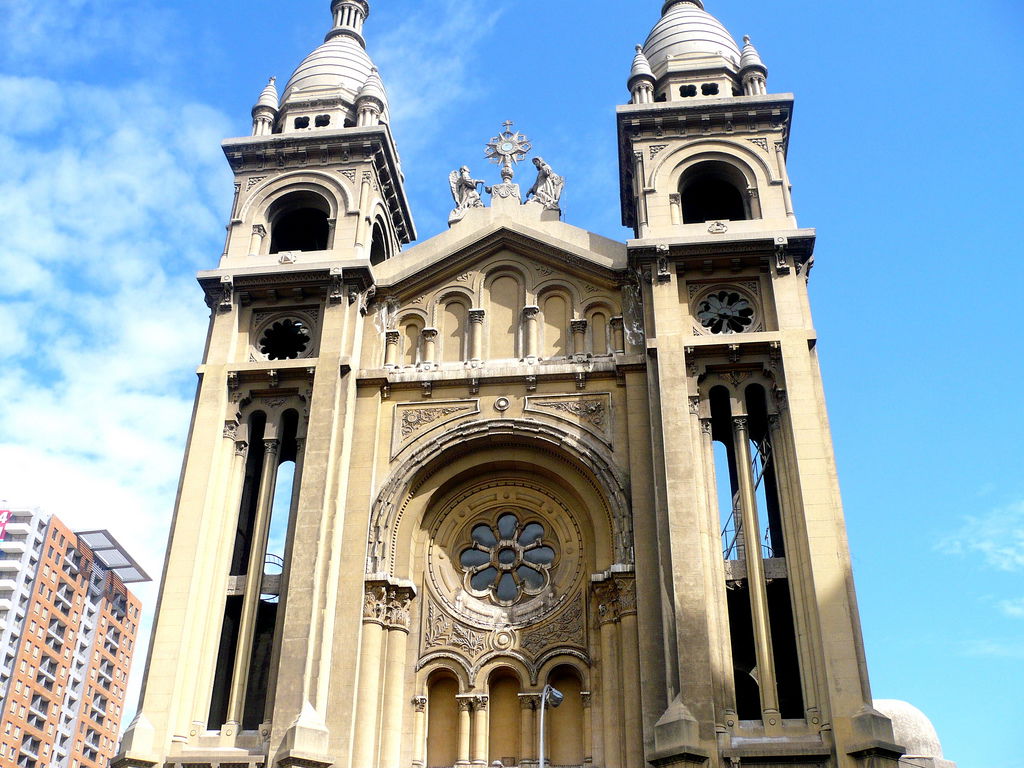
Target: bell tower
760, 644
319, 204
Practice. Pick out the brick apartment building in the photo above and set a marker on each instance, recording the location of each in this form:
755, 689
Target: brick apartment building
68, 626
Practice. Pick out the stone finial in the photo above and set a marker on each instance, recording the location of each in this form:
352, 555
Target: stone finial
750, 58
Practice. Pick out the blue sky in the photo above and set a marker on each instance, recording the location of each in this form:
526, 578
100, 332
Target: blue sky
906, 156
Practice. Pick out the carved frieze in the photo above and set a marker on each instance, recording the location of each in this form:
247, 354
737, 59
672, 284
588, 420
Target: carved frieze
412, 420
592, 412
442, 631
565, 628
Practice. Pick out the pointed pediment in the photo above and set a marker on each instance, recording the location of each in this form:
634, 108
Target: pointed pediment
486, 233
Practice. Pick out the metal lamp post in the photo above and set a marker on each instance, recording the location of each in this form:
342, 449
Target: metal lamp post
554, 697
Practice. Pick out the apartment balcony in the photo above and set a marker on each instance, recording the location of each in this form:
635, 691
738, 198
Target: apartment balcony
8, 585
14, 546
10, 564
6, 604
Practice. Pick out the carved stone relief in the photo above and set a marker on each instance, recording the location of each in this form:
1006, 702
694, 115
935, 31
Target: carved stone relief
592, 412
413, 420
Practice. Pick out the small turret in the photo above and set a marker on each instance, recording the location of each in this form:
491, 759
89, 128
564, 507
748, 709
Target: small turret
753, 72
372, 101
641, 78
264, 113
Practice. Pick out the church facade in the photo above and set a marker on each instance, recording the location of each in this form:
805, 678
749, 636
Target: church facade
424, 487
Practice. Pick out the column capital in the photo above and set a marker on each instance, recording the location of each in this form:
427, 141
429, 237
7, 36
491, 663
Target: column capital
419, 703
585, 696
740, 422
465, 702
476, 315
529, 700
617, 321
392, 337
429, 333
578, 326
480, 702
530, 311
271, 446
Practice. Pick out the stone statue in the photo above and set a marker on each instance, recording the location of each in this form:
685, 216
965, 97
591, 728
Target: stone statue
547, 190
465, 192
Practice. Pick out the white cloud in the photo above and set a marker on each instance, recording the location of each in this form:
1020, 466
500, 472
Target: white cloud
427, 64
997, 536
110, 206
995, 649
1013, 608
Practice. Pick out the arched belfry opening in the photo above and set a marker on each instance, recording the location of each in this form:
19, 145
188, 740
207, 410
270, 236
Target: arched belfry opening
299, 221
714, 190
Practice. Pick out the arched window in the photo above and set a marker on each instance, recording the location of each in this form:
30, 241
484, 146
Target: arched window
555, 313
412, 330
442, 720
714, 191
454, 319
504, 310
299, 222
505, 733
564, 725
379, 250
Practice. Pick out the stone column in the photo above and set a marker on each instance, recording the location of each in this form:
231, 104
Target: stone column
398, 620
528, 726
476, 335
256, 242
391, 339
629, 640
253, 580
755, 577
579, 338
480, 730
618, 334
675, 202
465, 705
368, 698
606, 600
530, 332
419, 738
429, 347
588, 728
787, 190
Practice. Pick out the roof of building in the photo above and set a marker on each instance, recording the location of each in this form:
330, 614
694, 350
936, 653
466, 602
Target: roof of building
113, 556
268, 97
911, 727
750, 57
339, 67
686, 28
641, 67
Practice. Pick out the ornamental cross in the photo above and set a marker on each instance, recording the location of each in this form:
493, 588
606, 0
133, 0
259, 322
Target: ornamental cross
507, 148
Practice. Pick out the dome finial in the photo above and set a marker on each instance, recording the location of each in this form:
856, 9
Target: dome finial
349, 16
670, 3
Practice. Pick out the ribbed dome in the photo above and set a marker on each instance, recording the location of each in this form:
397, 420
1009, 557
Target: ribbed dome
911, 727
750, 57
686, 27
339, 65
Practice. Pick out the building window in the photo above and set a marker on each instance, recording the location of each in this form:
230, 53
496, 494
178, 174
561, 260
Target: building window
508, 560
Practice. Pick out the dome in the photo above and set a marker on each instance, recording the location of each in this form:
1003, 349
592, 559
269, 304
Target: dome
340, 64
911, 727
686, 28
641, 67
268, 98
750, 57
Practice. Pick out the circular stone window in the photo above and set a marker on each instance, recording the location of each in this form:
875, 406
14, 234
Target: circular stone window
725, 312
286, 339
507, 561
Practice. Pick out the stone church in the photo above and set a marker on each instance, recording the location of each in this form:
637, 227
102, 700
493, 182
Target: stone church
436, 496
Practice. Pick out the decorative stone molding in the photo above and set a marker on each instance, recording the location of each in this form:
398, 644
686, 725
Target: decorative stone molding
566, 628
419, 703
592, 412
412, 420
614, 597
761, 142
443, 631
388, 604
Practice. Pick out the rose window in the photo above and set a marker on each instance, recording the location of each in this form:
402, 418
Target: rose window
508, 561
725, 312
285, 340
